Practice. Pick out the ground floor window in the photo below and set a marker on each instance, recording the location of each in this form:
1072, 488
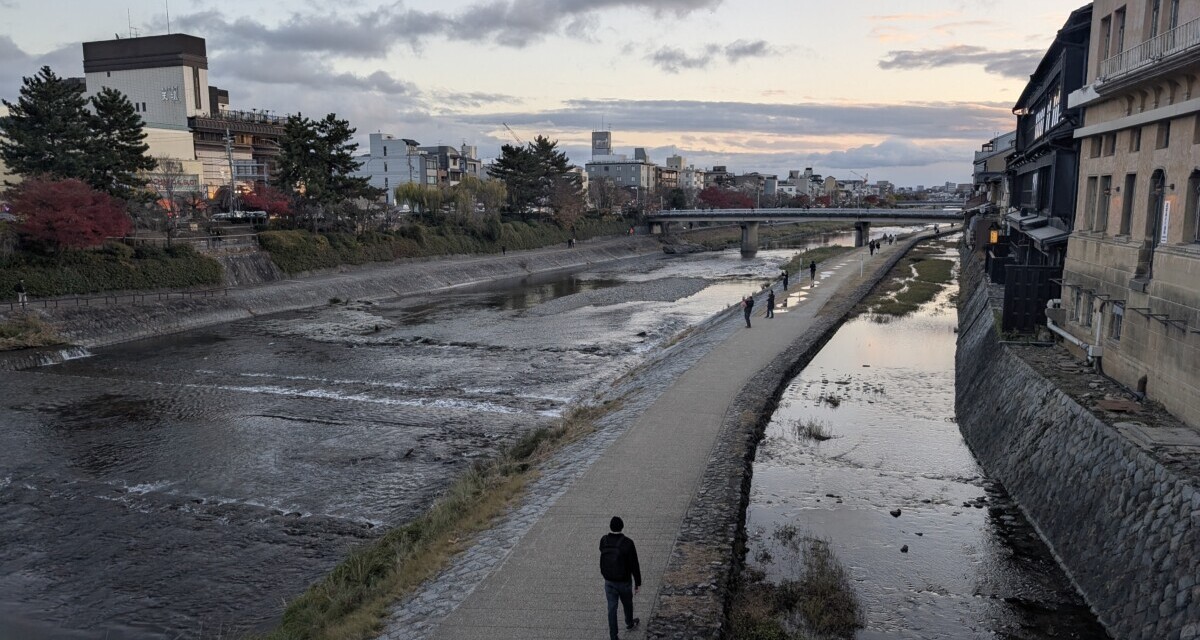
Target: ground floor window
1077, 303
1118, 320
1086, 320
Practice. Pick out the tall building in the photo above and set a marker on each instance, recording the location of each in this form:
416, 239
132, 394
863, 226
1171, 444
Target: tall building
391, 162
1131, 282
638, 175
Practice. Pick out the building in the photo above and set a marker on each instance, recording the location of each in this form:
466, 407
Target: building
990, 174
452, 165
1043, 170
391, 162
186, 120
1131, 281
637, 175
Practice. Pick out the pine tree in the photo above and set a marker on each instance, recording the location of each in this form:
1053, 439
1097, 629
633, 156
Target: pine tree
118, 152
47, 130
318, 157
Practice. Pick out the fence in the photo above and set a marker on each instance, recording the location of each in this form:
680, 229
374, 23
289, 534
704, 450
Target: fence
1182, 38
128, 299
204, 244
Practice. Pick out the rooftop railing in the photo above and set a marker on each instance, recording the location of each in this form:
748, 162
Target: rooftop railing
261, 117
1185, 37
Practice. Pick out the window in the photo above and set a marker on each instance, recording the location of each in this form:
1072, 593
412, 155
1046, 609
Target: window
107, 74
1196, 129
1105, 37
1110, 144
1097, 143
385, 167
196, 86
1174, 15
385, 150
1105, 200
1155, 10
1135, 139
1193, 208
1076, 308
1118, 319
1127, 203
1086, 319
1119, 20
1089, 204
1164, 135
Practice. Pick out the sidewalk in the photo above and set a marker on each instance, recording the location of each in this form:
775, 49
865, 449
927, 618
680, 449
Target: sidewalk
549, 585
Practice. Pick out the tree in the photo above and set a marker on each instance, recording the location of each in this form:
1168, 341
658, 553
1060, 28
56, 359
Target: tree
718, 198
532, 174
66, 214
677, 199
117, 150
317, 158
517, 169
275, 202
47, 130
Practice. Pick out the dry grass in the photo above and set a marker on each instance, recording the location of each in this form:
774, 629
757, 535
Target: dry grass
27, 331
915, 280
813, 430
814, 600
352, 601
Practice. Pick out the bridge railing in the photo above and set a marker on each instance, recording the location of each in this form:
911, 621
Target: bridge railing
785, 213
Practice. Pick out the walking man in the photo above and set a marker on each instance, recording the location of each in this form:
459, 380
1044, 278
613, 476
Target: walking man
622, 575
785, 279
22, 298
771, 303
747, 307
812, 271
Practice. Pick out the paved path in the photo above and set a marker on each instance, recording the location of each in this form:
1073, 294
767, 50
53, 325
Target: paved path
549, 585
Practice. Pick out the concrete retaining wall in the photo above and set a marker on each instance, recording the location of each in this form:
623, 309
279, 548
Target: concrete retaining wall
709, 553
108, 325
1124, 526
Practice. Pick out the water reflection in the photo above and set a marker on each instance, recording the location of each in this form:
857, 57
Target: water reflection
896, 475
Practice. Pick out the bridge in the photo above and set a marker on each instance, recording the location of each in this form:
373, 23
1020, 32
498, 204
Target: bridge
749, 219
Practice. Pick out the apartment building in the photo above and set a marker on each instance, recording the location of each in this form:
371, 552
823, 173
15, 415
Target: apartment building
1131, 281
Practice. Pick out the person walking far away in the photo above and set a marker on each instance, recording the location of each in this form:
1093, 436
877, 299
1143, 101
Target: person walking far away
785, 279
503, 250
771, 303
812, 272
622, 575
22, 297
747, 307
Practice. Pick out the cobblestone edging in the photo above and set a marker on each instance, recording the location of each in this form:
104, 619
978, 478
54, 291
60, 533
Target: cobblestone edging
710, 549
102, 326
1122, 520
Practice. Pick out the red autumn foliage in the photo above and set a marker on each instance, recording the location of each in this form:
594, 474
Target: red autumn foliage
718, 198
269, 199
66, 214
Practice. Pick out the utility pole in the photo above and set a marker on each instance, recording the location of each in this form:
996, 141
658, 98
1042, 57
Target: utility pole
232, 181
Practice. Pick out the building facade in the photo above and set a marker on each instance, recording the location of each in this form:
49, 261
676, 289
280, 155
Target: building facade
1131, 282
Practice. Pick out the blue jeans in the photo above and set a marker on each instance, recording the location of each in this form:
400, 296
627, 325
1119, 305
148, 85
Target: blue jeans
624, 591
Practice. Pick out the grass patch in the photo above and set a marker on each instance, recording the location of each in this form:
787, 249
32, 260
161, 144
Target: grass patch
27, 331
915, 280
814, 599
799, 262
352, 601
725, 237
814, 429
113, 267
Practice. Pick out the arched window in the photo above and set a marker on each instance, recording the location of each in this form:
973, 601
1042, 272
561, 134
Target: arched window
1191, 231
1154, 207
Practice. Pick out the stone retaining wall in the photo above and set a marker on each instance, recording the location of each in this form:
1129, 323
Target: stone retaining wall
1124, 525
710, 551
108, 325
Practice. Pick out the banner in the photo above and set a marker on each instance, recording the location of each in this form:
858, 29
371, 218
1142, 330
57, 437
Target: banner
177, 183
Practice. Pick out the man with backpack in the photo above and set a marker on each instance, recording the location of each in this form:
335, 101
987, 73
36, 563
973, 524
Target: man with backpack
622, 575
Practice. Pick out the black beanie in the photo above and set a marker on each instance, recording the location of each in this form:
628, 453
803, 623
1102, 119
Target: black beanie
616, 524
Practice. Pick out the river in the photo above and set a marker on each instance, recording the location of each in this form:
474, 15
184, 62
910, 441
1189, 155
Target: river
186, 486
934, 548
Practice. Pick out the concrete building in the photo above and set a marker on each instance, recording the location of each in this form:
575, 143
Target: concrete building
391, 162
1131, 282
991, 163
637, 175
452, 165
185, 120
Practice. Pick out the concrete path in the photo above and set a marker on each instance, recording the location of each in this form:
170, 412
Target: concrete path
550, 586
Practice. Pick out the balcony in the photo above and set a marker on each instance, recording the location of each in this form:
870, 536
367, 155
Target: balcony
1166, 47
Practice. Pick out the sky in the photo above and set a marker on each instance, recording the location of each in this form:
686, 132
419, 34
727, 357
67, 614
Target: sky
899, 90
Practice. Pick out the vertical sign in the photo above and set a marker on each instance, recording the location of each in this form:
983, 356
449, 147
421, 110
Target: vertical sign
1166, 222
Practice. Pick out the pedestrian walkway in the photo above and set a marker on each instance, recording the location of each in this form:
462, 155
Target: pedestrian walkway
549, 586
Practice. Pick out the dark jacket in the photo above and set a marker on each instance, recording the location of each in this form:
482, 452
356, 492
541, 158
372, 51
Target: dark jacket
618, 559
20, 287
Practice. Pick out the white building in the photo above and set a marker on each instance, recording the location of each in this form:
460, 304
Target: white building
391, 162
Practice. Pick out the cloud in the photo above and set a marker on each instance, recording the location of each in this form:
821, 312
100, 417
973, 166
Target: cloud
306, 70
15, 63
892, 152
1013, 63
931, 120
674, 59
373, 33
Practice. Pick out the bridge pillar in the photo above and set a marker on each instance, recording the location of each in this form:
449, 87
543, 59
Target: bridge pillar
749, 239
656, 228
862, 231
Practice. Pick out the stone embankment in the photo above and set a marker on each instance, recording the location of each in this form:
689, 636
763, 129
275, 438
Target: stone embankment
699, 582
1115, 496
113, 324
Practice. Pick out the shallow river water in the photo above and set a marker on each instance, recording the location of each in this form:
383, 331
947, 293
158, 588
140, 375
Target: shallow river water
186, 486
971, 565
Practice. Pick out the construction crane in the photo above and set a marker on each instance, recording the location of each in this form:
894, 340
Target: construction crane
513, 134
858, 192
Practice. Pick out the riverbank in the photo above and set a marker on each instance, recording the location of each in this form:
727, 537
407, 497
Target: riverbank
91, 327
1112, 485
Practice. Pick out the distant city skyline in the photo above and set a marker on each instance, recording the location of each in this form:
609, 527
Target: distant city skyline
899, 94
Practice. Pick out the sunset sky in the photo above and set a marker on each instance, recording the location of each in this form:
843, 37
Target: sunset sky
900, 90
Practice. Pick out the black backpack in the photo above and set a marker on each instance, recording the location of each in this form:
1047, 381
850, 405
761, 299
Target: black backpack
612, 566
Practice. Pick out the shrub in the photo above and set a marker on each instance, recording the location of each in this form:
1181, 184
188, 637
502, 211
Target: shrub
66, 214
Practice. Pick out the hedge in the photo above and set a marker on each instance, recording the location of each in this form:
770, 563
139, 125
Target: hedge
298, 251
115, 267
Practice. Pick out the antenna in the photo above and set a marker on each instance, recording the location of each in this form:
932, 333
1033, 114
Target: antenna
167, 6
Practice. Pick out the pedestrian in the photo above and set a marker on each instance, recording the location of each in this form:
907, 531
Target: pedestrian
812, 271
622, 575
871, 247
771, 303
22, 297
785, 279
747, 307
503, 250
